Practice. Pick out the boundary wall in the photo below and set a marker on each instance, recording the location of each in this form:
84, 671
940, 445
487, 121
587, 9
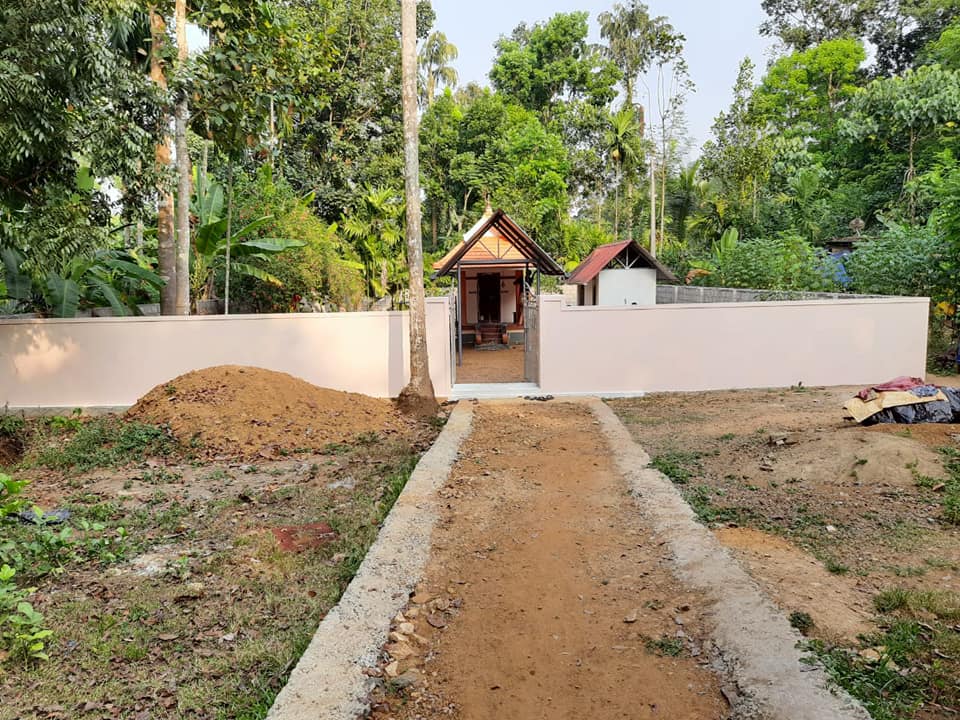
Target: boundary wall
596, 350
112, 362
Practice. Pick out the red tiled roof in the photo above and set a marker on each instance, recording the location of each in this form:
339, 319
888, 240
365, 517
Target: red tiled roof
603, 255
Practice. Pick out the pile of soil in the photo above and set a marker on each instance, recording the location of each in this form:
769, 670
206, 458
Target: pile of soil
248, 412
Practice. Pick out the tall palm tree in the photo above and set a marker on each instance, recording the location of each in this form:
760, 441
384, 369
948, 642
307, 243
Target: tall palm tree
166, 241
184, 170
417, 397
623, 140
435, 69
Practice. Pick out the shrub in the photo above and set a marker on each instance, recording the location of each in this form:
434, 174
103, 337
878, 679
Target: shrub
899, 261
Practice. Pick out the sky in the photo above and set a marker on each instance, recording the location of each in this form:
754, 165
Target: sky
719, 33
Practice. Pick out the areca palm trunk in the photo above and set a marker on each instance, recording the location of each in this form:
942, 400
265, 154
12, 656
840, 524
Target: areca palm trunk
166, 243
417, 397
182, 303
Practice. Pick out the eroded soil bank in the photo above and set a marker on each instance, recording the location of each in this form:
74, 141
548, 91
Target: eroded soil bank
545, 596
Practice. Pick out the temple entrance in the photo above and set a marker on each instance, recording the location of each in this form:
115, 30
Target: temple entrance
497, 272
488, 297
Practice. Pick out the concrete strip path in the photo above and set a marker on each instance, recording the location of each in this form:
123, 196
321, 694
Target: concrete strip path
752, 634
329, 683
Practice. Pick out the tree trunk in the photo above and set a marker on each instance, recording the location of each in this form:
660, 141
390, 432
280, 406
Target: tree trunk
226, 269
184, 189
166, 242
663, 200
417, 397
653, 209
616, 208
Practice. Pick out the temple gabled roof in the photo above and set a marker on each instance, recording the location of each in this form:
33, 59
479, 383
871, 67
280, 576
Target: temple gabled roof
634, 256
497, 240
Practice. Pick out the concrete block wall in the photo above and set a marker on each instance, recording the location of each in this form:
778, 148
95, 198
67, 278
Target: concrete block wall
680, 294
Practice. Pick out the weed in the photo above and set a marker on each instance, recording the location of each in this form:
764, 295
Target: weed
21, 627
801, 621
727, 436
666, 646
677, 465
11, 500
11, 425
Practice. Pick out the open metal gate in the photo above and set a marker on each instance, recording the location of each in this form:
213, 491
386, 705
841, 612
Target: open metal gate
531, 339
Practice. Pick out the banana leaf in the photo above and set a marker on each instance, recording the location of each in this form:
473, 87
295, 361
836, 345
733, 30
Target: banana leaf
270, 245
133, 270
255, 272
19, 285
63, 297
110, 296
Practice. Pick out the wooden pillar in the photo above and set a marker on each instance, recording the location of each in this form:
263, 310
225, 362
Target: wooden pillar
461, 312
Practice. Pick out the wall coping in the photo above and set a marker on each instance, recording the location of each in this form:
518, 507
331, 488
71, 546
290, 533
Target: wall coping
214, 318
891, 300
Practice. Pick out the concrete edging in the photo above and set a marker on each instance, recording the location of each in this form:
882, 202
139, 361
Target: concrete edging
328, 682
753, 635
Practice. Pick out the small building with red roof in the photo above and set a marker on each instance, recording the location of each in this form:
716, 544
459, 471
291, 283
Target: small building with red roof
619, 273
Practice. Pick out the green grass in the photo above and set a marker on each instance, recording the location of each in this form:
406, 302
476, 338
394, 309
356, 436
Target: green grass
106, 442
666, 646
801, 621
913, 660
678, 465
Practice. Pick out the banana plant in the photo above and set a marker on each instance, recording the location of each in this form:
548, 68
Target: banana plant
720, 255
107, 277
210, 241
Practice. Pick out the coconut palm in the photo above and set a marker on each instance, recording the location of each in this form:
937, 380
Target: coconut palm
435, 69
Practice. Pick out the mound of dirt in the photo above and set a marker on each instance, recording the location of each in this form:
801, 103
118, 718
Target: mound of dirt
248, 412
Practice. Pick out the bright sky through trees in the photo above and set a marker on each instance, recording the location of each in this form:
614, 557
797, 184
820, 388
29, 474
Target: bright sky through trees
719, 35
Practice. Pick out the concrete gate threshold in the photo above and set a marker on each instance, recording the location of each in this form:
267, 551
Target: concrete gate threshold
493, 391
509, 391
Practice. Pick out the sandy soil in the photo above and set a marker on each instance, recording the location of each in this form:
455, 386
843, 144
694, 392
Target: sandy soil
545, 597
491, 366
799, 491
250, 412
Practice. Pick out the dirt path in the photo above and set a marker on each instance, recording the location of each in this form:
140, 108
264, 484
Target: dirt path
544, 596
491, 366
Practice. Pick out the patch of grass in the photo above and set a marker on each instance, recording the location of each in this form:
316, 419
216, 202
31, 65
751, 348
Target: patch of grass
700, 499
801, 621
678, 465
942, 604
665, 647
107, 442
727, 436
836, 567
914, 660
908, 571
